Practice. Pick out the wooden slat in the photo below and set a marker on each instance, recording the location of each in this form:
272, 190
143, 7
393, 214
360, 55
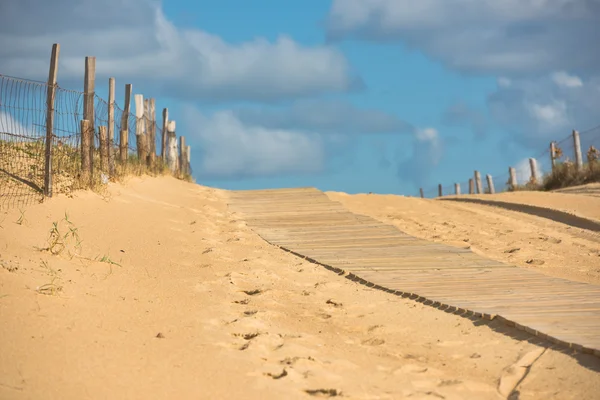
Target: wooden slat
305, 222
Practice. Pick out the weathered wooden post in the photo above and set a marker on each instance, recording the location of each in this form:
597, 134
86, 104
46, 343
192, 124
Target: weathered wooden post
471, 186
457, 189
478, 182
163, 148
89, 89
152, 131
111, 127
440, 194
577, 147
182, 156
124, 139
513, 178
421, 192
171, 147
188, 166
86, 136
553, 155
534, 171
102, 133
490, 183
140, 127
51, 95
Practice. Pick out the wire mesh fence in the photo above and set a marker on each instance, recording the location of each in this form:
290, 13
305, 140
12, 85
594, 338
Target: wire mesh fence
549, 171
116, 147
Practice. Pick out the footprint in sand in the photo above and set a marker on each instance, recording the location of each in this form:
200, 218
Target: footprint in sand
372, 342
324, 392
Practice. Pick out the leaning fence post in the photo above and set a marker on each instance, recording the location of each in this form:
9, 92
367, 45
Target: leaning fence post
513, 178
86, 164
577, 146
553, 155
534, 172
490, 183
478, 182
124, 139
89, 88
51, 95
182, 156
163, 147
188, 166
457, 188
471, 186
139, 127
171, 147
111, 126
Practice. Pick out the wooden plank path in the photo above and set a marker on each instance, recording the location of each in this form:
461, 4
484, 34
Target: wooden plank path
307, 223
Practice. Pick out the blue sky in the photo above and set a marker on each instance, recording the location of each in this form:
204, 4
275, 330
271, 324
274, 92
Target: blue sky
348, 95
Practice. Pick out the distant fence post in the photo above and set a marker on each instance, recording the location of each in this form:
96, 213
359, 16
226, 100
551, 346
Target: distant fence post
152, 129
534, 172
490, 183
163, 147
421, 193
111, 126
512, 183
124, 139
440, 194
147, 128
553, 155
86, 165
171, 147
457, 189
188, 153
471, 186
139, 127
478, 182
89, 88
51, 95
577, 147
103, 148
182, 156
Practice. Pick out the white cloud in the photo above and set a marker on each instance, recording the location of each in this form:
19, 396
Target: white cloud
231, 149
489, 36
553, 115
136, 42
561, 78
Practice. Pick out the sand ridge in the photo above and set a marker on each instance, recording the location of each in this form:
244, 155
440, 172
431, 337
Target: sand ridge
170, 295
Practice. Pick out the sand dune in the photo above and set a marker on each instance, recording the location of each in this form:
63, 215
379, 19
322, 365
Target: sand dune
157, 291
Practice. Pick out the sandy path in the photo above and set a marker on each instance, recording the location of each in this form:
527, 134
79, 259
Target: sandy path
200, 307
513, 237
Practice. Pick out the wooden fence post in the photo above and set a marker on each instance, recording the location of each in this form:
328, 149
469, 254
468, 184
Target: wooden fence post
163, 147
478, 185
124, 139
51, 95
89, 89
139, 127
490, 183
534, 172
421, 193
171, 147
471, 186
152, 130
440, 194
103, 148
188, 166
182, 156
512, 183
577, 147
86, 164
111, 126
457, 189
553, 154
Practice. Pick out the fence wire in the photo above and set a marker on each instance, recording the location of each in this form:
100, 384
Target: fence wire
23, 114
565, 154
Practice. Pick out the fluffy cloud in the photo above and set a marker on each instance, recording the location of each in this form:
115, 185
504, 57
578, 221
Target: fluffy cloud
489, 36
427, 153
134, 41
231, 149
330, 117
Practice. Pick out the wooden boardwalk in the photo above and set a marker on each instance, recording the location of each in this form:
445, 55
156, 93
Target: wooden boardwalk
307, 223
